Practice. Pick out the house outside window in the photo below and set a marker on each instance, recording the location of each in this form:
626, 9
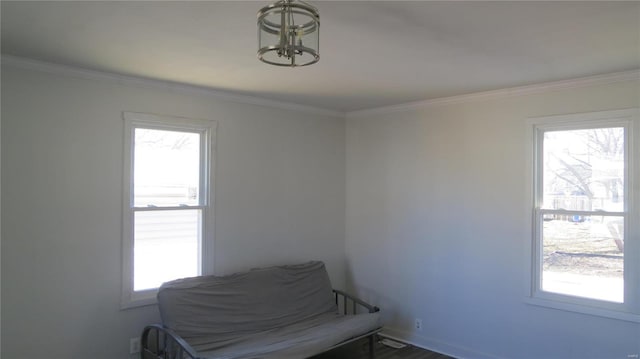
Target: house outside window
585, 252
168, 212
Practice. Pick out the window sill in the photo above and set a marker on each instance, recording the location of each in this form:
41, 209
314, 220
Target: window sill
136, 300
583, 309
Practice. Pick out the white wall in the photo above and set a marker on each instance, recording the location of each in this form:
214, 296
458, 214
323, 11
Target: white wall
436, 217
437, 227
279, 199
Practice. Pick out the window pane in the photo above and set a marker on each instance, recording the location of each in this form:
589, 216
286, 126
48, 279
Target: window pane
166, 246
166, 168
584, 169
583, 256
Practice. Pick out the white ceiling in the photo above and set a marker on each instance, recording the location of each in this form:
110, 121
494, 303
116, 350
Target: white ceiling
372, 53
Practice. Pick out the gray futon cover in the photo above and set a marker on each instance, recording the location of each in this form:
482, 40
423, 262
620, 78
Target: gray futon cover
277, 312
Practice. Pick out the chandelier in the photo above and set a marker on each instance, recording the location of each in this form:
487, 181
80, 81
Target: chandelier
288, 33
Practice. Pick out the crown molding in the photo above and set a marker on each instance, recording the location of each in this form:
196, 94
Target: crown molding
604, 79
58, 69
37, 65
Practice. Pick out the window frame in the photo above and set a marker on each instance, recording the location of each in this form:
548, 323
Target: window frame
629, 309
207, 130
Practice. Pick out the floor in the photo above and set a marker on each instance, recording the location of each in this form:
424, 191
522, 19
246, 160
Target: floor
360, 350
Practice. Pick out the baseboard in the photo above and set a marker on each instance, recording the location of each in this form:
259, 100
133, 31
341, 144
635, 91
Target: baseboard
433, 344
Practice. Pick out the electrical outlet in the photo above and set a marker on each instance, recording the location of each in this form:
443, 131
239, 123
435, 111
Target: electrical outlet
418, 324
134, 345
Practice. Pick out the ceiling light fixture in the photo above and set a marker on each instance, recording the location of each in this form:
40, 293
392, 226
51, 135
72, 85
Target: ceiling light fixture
288, 33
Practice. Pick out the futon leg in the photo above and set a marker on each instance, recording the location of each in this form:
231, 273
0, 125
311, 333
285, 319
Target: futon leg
372, 352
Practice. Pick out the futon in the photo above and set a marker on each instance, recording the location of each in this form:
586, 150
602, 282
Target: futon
284, 312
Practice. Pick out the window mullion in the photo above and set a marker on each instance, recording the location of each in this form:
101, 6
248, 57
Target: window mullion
582, 213
167, 208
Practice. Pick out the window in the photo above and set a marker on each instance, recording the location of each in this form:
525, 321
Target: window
167, 217
585, 226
